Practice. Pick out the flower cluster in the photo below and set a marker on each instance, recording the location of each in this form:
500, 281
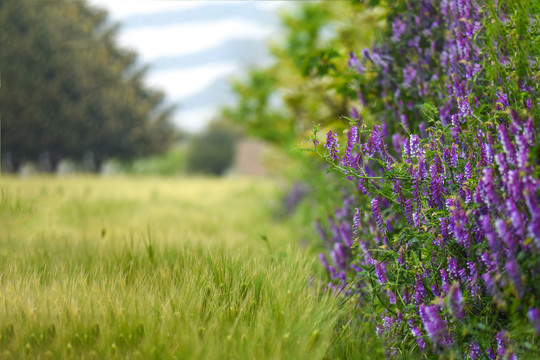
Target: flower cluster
446, 222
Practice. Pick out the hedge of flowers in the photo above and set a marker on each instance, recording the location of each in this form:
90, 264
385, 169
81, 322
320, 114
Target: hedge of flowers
442, 236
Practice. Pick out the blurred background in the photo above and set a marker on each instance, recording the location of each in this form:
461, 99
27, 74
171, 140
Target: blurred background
169, 87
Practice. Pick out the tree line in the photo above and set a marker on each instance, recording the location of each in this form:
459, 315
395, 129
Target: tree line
69, 91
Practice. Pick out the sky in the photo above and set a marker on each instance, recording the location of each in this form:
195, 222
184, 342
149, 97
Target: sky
195, 48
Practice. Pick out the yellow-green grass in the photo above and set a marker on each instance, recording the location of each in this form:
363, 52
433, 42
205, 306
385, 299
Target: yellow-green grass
158, 268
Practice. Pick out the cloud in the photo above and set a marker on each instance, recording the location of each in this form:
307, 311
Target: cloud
181, 83
122, 9
195, 120
177, 39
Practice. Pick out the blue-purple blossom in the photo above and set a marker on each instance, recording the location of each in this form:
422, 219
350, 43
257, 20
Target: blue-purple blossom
377, 215
332, 145
352, 140
409, 76
514, 274
355, 63
380, 271
455, 301
476, 352
415, 149
398, 28
417, 334
534, 317
502, 101
507, 144
435, 325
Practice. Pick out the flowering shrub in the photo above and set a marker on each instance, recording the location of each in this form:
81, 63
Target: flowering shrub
442, 238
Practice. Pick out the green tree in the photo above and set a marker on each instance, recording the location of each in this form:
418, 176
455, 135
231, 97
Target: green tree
212, 152
69, 90
309, 80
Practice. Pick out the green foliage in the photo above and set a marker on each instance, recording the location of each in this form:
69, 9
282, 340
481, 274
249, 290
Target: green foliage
171, 163
68, 90
309, 77
212, 152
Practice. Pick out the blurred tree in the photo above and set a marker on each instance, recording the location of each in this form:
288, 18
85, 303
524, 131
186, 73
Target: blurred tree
309, 80
69, 91
212, 152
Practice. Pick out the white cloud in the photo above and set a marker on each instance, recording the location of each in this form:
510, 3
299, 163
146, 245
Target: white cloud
177, 39
122, 9
187, 81
195, 120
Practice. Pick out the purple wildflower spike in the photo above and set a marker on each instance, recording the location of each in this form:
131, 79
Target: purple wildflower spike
468, 171
380, 271
417, 334
534, 317
507, 144
502, 101
352, 140
356, 221
436, 327
355, 63
415, 149
512, 269
420, 291
476, 352
332, 145
398, 28
455, 301
528, 131
408, 212
409, 76
515, 216
377, 215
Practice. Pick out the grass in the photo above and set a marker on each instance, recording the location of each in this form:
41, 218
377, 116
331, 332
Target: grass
160, 269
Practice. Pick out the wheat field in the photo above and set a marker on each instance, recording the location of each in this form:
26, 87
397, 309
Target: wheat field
149, 268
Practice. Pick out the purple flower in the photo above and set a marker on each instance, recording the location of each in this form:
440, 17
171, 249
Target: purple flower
515, 216
436, 327
468, 171
528, 131
409, 75
398, 28
501, 339
356, 221
415, 149
355, 63
455, 301
377, 215
512, 269
354, 114
380, 271
507, 144
453, 268
408, 212
332, 145
476, 352
420, 291
417, 334
322, 257
339, 255
454, 156
397, 142
502, 101
352, 140
436, 189
486, 188
534, 317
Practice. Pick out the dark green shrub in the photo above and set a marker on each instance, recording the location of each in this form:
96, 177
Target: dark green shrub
212, 152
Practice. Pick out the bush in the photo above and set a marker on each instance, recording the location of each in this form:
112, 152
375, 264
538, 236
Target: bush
442, 238
212, 152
